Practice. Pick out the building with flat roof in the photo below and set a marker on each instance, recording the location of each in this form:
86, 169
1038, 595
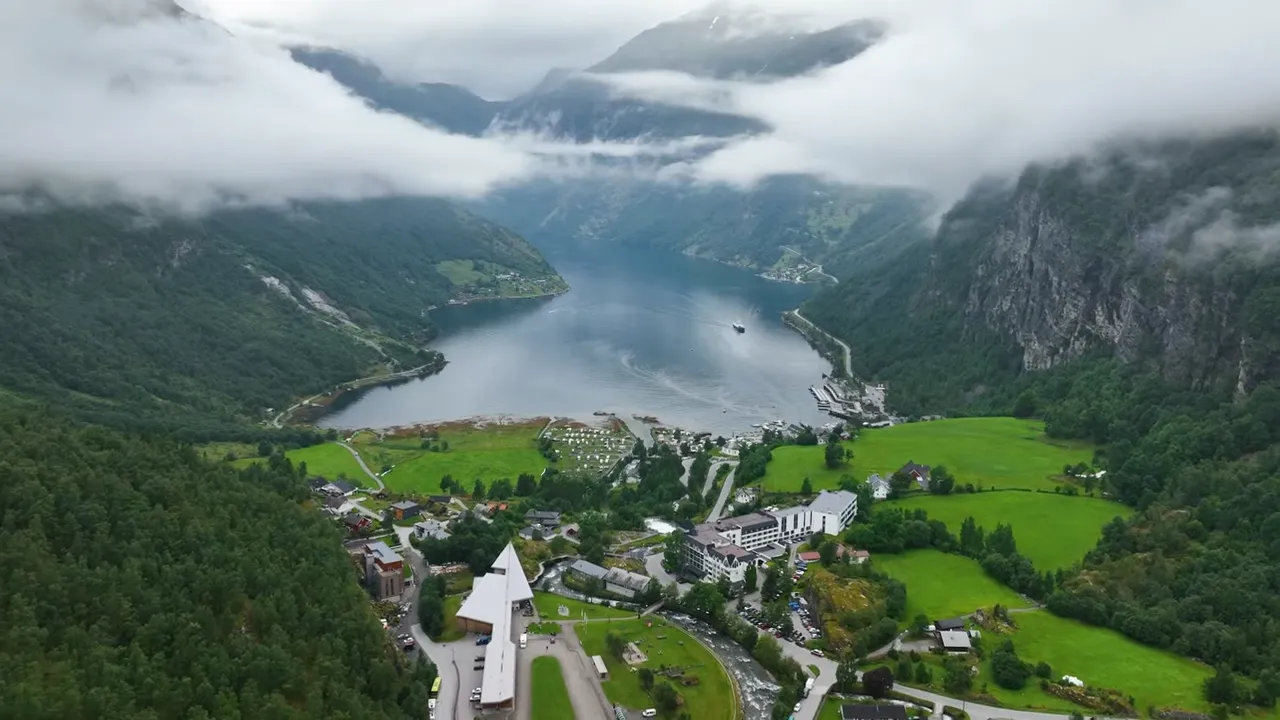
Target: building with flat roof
383, 569
726, 548
601, 670
489, 609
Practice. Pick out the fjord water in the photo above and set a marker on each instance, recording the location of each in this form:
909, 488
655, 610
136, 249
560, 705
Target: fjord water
641, 332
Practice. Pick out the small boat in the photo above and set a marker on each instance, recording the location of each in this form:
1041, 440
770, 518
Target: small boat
739, 327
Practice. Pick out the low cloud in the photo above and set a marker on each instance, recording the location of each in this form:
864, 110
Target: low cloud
957, 91
1204, 226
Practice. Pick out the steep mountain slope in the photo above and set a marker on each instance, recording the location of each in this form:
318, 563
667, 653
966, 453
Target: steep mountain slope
448, 107
1160, 253
141, 582
192, 324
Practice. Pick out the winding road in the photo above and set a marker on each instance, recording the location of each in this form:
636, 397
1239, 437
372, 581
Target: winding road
725, 491
848, 353
372, 475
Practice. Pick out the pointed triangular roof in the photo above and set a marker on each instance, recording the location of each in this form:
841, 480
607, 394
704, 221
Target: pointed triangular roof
517, 585
507, 560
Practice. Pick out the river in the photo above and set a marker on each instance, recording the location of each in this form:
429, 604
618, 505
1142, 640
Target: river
641, 332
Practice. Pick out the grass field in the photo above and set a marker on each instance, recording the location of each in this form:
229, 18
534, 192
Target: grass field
942, 585
1053, 531
664, 644
548, 606
451, 630
331, 461
1105, 658
996, 452
550, 695
486, 453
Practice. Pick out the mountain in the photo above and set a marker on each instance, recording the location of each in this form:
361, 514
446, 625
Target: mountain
731, 42
448, 107
198, 324
142, 582
1159, 253
775, 226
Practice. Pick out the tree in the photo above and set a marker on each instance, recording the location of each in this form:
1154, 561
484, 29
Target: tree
847, 677
900, 483
1221, 688
671, 551
526, 485
806, 487
878, 682
477, 490
834, 454
904, 668
827, 553
645, 676
500, 489
806, 436
1044, 670
918, 625
559, 545
616, 644
666, 697
750, 578
444, 446
1007, 668
447, 483
431, 608
1025, 405
264, 449
923, 676
958, 679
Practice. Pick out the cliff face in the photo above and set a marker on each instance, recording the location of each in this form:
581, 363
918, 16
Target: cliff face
1160, 254
1132, 263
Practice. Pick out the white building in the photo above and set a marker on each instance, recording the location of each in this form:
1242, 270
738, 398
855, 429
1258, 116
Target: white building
879, 487
488, 609
725, 548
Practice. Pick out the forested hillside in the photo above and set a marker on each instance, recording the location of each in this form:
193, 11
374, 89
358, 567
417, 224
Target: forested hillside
142, 582
1129, 300
194, 325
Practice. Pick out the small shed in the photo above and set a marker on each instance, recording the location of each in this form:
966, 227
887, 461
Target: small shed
601, 670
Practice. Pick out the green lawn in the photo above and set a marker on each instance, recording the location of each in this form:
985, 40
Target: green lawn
330, 460
488, 453
548, 606
460, 272
712, 698
1053, 531
942, 585
830, 709
996, 452
1105, 658
550, 696
451, 630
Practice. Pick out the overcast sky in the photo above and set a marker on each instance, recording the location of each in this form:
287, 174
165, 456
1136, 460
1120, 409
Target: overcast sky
108, 97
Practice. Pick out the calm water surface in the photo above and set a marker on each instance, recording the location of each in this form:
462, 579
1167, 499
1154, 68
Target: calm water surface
641, 332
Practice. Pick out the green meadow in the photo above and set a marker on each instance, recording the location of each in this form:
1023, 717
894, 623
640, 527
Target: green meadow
942, 585
1053, 531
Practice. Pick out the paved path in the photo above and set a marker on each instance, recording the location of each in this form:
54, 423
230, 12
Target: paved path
848, 353
688, 466
711, 475
725, 491
585, 692
653, 564
372, 475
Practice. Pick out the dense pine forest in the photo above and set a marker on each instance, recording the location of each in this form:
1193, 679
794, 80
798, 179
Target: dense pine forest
142, 582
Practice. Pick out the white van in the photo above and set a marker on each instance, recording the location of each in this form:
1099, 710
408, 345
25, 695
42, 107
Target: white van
524, 640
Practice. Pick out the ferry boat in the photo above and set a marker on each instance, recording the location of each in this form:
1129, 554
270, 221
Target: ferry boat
740, 327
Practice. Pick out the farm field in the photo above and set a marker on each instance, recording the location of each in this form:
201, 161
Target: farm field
466, 453
941, 585
996, 452
330, 461
548, 607
1105, 658
712, 698
550, 695
1053, 531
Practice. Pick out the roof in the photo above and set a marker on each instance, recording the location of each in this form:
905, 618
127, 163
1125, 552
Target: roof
809, 555
788, 512
588, 569
490, 602
875, 479
627, 579
354, 518
382, 552
747, 523
599, 663
405, 505
955, 640
873, 712
441, 499
949, 624
833, 502
345, 487
542, 515
912, 467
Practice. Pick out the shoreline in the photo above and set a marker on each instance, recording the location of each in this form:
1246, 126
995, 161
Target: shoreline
472, 301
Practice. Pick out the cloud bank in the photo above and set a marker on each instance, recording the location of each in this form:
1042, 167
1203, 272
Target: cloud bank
957, 91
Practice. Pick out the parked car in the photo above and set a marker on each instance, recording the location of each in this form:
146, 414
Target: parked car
649, 713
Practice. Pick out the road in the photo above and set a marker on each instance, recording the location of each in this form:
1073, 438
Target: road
711, 476
688, 466
725, 492
848, 353
372, 475
278, 420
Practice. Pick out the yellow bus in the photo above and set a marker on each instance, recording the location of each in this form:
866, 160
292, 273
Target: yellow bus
435, 687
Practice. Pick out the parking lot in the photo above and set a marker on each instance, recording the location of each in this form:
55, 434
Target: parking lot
799, 625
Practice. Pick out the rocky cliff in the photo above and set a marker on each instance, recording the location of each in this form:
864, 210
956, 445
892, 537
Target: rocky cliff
1159, 253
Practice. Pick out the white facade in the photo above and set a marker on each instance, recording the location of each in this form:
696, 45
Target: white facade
725, 548
879, 487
